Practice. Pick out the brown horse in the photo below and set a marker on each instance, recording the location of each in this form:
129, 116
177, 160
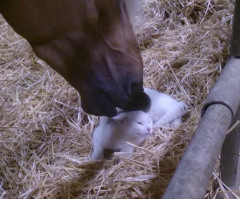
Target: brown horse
90, 43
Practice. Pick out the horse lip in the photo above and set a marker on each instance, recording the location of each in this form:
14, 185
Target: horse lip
117, 99
140, 101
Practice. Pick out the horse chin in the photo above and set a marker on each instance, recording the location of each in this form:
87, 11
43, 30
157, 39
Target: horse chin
99, 104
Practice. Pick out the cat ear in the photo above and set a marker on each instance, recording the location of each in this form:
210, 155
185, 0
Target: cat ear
119, 110
120, 117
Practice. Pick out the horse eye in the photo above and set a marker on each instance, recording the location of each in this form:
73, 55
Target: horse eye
140, 123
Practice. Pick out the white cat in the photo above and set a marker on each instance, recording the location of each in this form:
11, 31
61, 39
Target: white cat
135, 126
112, 134
164, 110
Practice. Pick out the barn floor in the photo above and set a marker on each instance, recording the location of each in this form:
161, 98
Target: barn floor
45, 138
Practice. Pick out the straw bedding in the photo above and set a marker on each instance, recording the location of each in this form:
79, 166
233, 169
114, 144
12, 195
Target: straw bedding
45, 138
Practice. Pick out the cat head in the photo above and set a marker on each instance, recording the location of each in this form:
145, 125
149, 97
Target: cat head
136, 122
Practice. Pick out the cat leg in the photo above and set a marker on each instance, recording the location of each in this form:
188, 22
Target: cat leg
128, 150
176, 122
98, 152
172, 117
165, 120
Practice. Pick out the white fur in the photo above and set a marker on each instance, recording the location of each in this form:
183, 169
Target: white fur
165, 111
112, 134
135, 126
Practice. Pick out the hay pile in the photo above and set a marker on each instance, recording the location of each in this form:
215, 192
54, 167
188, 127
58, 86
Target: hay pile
45, 138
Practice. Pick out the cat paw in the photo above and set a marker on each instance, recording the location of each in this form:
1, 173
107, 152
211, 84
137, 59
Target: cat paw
96, 156
175, 123
183, 108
